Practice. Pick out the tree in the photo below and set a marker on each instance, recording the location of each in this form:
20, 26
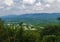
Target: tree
50, 38
31, 36
20, 32
50, 30
58, 19
3, 32
11, 33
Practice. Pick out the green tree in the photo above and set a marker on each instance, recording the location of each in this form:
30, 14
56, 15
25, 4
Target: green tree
20, 32
50, 30
58, 20
31, 36
3, 33
50, 38
11, 32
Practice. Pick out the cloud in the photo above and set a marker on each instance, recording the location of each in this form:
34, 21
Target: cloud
47, 5
1, 7
21, 7
38, 6
58, 0
28, 6
29, 1
9, 2
49, 1
6, 4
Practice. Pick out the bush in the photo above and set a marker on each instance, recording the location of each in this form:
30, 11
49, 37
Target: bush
51, 38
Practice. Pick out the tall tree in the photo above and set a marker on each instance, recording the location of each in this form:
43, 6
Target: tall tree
3, 32
20, 32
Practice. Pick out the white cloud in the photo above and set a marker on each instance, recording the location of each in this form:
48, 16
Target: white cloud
8, 8
38, 6
49, 1
9, 2
58, 0
27, 6
29, 1
21, 6
48, 5
1, 7
1, 0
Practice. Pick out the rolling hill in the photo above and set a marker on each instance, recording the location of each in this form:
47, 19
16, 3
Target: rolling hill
33, 18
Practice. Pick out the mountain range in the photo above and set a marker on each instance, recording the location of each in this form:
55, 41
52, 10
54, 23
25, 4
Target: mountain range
33, 18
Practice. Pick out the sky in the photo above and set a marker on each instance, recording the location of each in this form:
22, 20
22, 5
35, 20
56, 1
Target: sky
18, 7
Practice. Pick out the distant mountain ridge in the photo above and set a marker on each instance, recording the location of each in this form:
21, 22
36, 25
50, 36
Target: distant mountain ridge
33, 18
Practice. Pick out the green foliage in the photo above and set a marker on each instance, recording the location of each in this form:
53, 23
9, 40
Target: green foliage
16, 33
31, 36
51, 38
51, 30
58, 18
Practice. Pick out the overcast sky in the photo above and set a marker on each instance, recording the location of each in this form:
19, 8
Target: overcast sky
8, 7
